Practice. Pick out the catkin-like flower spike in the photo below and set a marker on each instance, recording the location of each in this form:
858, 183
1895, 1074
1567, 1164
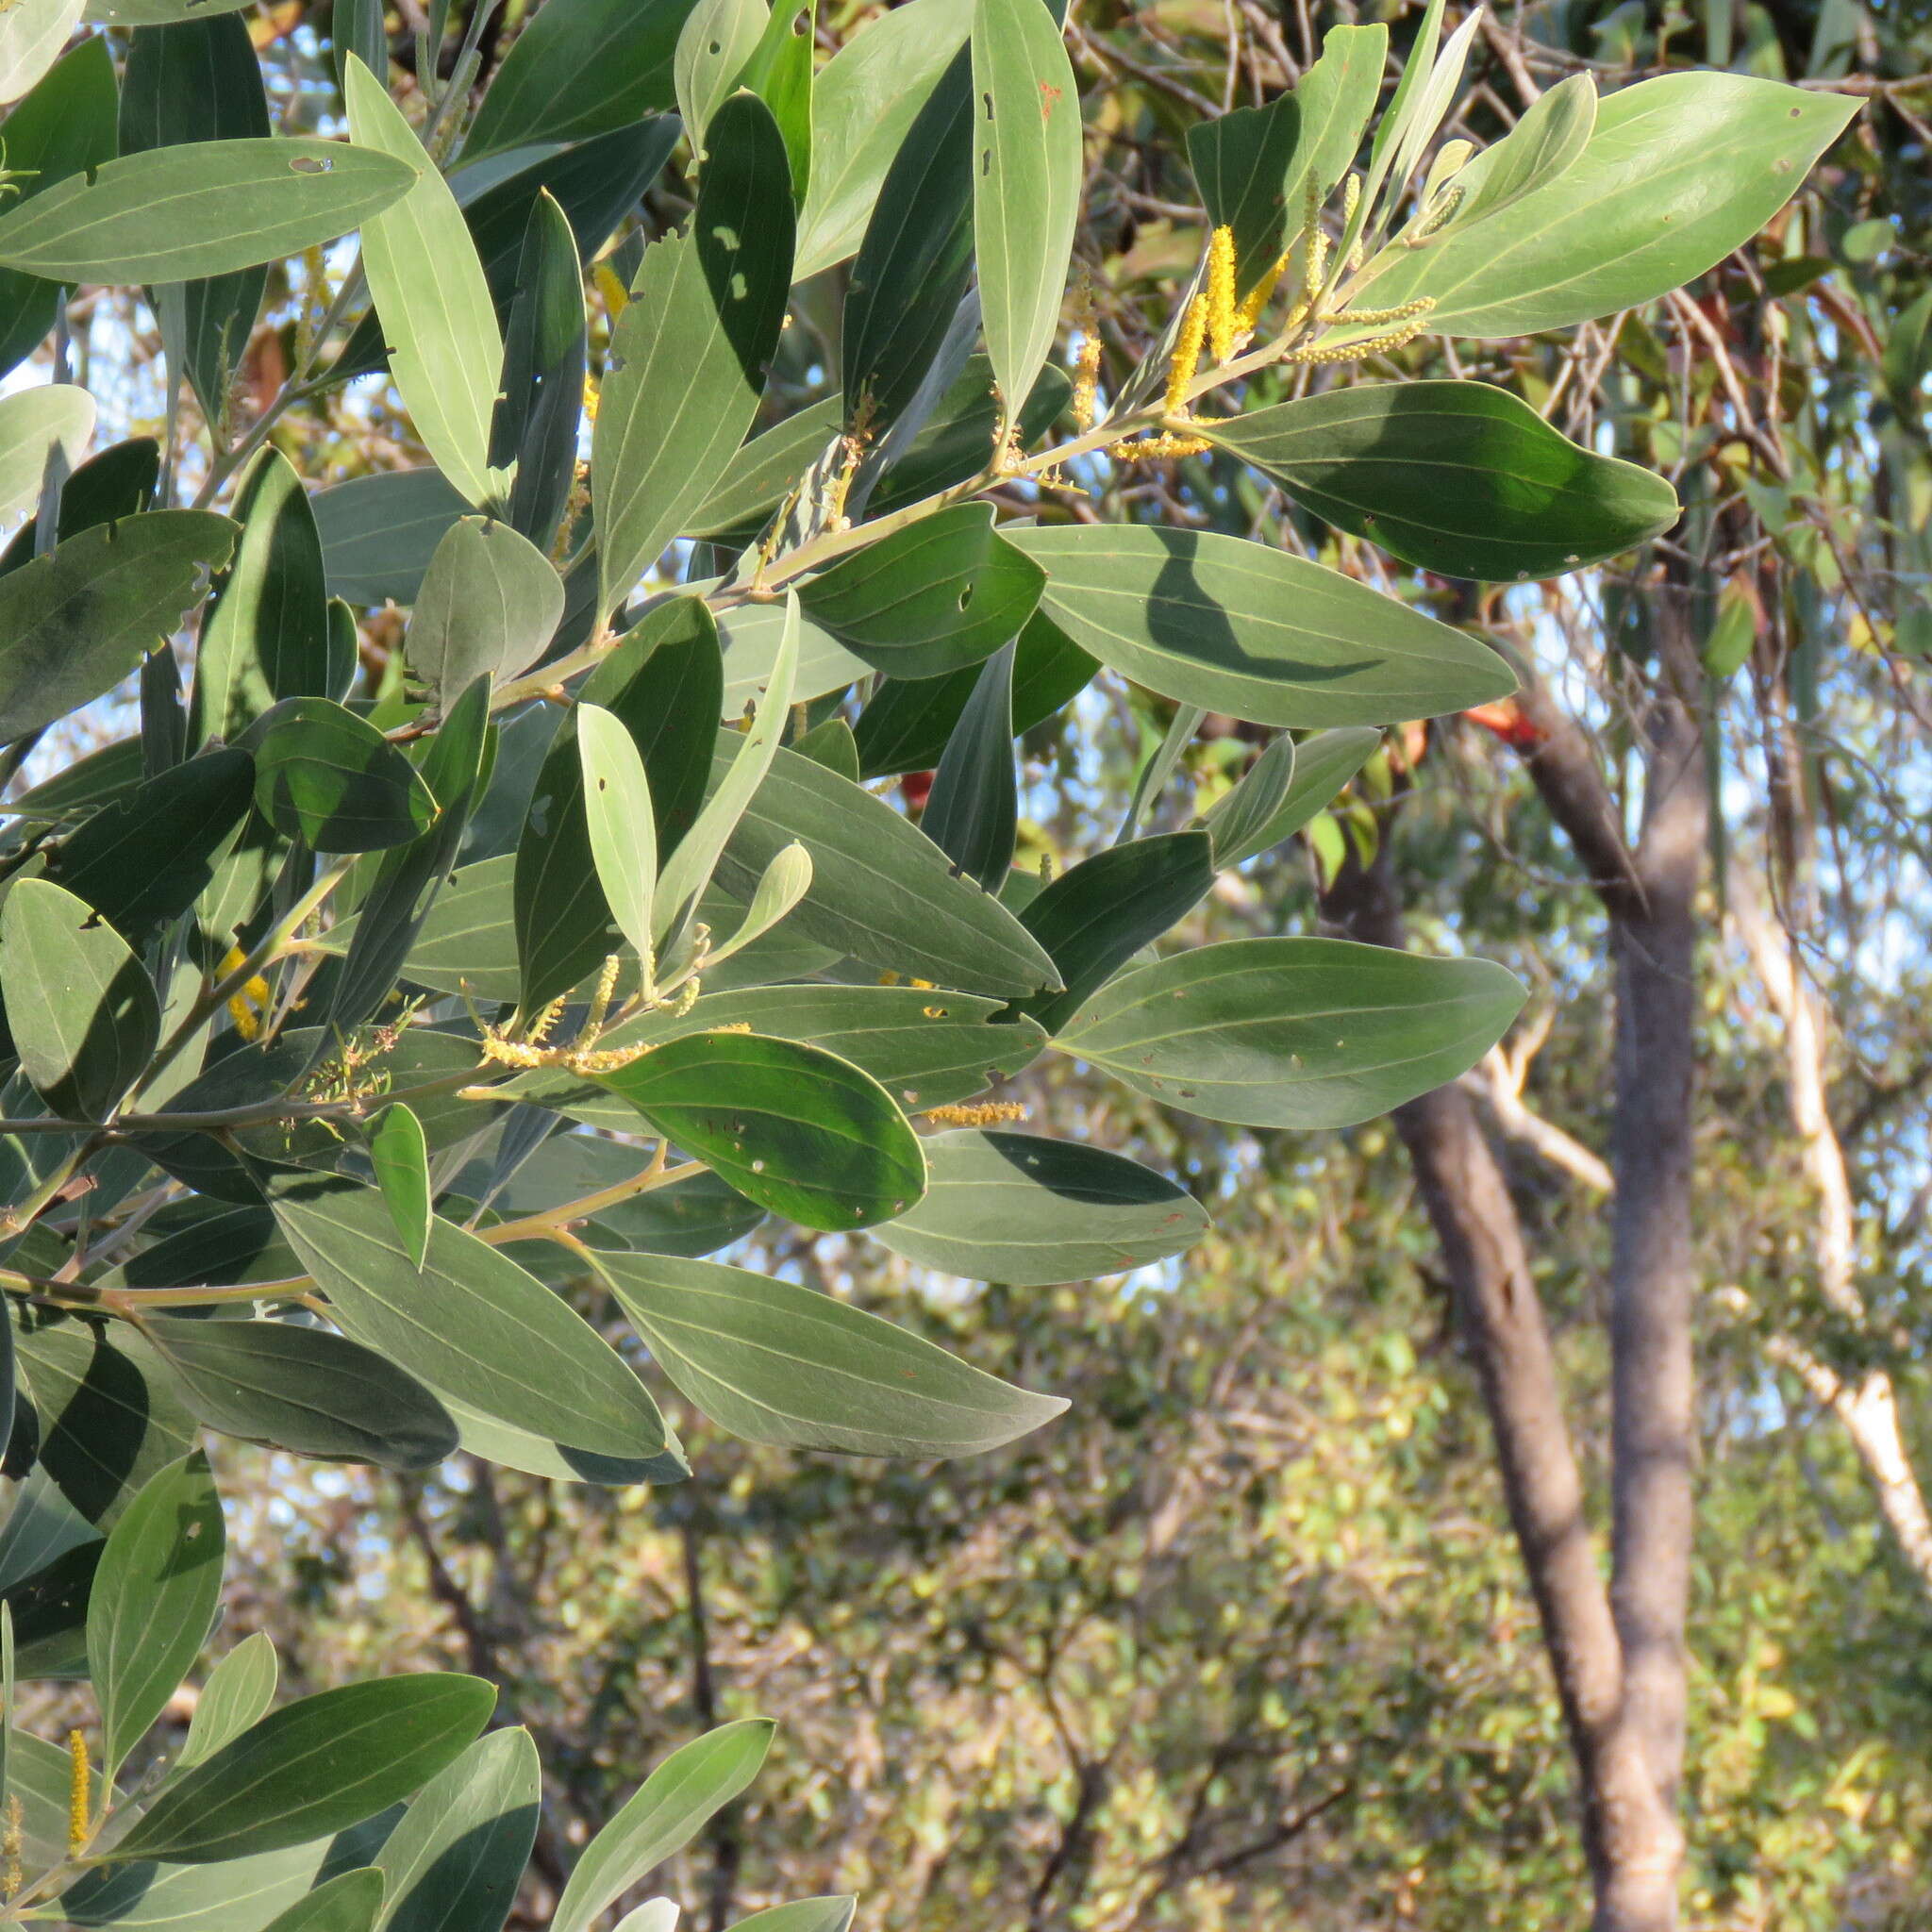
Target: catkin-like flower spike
1223, 316
979, 1113
1087, 369
79, 1825
1379, 318
1318, 354
1350, 198
1431, 221
1256, 300
11, 1844
1187, 356
1164, 448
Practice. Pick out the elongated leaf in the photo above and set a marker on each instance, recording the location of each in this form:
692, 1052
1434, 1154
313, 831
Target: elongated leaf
864, 100
305, 1390
489, 604
687, 355
468, 1321
1234, 627
690, 869
580, 67
780, 73
786, 881
662, 683
154, 1597
927, 1049
1025, 184
81, 1007
325, 776
973, 811
718, 39
752, 635
945, 591
153, 12
624, 831
909, 723
206, 208
916, 260
399, 1156
32, 34
774, 1362
1284, 789
544, 357
1336, 96
1098, 914
64, 127
1678, 172
76, 620
314, 1767
379, 532
1456, 477
235, 1693
830, 1914
410, 878
33, 423
792, 1127
349, 1902
880, 890
266, 633
443, 347
1549, 139
199, 79
1294, 1032
150, 855
1017, 1208
664, 1815
455, 1858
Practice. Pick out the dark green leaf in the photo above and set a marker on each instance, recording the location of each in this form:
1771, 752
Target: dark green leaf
1097, 915
1455, 476
780, 73
942, 593
664, 1817
155, 1596
150, 855
350, 1902
774, 1362
1294, 1032
1284, 789
973, 811
199, 79
832, 746
468, 1321
1234, 627
379, 532
64, 127
864, 102
880, 890
1017, 1208
311, 1768
305, 1390
760, 475
326, 776
1241, 162
909, 723
119, 482
687, 355
206, 208
916, 260
453, 1862
544, 363
792, 1127
580, 67
958, 440
83, 1010
266, 633
75, 621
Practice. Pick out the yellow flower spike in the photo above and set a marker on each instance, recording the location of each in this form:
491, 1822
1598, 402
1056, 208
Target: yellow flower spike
1223, 316
610, 286
984, 1113
1087, 369
1187, 356
1249, 314
80, 1826
1164, 448
11, 1877
245, 1007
